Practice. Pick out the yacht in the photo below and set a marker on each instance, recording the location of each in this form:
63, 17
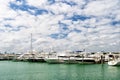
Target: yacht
55, 58
114, 60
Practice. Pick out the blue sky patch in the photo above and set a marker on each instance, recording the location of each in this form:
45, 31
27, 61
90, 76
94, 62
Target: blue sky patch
58, 35
51, 1
71, 3
115, 22
7, 19
63, 26
18, 28
1, 30
76, 30
87, 26
7, 25
79, 17
30, 9
23, 1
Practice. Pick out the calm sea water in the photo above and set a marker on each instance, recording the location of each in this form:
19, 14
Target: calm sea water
42, 71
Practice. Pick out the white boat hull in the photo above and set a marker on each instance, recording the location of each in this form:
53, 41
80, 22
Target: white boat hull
114, 63
80, 60
71, 60
54, 60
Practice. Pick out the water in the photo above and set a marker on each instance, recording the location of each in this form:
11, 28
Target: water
42, 71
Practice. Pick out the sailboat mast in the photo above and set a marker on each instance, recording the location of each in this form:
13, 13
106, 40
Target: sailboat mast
31, 45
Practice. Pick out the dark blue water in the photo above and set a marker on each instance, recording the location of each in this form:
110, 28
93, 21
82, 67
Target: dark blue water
42, 71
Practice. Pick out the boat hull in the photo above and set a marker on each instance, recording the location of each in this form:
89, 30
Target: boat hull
114, 63
80, 60
54, 60
36, 60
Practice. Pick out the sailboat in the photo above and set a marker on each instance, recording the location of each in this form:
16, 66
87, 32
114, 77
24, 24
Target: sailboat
33, 57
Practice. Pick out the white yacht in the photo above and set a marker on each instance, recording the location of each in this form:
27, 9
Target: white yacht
55, 58
114, 60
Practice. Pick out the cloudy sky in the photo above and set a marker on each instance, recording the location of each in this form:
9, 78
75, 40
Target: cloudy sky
93, 25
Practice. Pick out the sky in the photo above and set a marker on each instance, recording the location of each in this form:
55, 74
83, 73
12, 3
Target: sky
60, 25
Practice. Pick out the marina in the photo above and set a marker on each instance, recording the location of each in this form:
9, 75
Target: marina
65, 57
65, 65
59, 40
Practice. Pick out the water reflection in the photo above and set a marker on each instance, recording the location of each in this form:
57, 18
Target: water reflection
102, 71
114, 69
89, 72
